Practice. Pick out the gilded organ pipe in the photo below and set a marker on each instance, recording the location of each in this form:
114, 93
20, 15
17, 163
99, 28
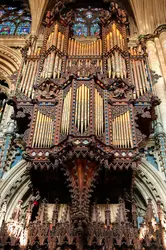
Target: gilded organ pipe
122, 131
66, 113
82, 108
76, 48
116, 65
26, 75
55, 36
28, 79
99, 128
114, 38
139, 76
43, 131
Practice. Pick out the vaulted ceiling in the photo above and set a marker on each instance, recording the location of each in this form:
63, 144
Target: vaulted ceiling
149, 14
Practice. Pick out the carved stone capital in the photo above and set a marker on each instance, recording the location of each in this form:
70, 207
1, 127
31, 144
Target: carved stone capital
160, 29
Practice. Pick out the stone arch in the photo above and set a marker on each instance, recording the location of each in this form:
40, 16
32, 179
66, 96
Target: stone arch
13, 186
10, 61
149, 182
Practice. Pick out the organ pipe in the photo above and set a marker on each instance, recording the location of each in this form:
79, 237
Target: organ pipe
98, 113
28, 79
76, 48
122, 131
116, 65
82, 108
55, 38
114, 38
116, 68
43, 131
139, 77
66, 113
53, 63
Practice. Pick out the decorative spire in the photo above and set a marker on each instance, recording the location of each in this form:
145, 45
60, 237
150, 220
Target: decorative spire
107, 213
149, 212
121, 216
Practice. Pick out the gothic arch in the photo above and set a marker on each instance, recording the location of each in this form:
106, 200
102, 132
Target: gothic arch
150, 184
15, 185
10, 61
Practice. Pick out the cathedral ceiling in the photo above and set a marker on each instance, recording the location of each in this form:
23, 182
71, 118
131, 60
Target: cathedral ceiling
38, 8
149, 14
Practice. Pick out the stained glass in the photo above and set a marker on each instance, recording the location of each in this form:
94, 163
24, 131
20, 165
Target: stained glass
89, 14
96, 20
86, 22
10, 18
25, 18
14, 21
1, 13
23, 28
11, 8
80, 19
95, 29
80, 29
7, 28
20, 12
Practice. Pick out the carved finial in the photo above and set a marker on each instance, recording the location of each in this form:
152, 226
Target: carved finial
17, 212
160, 211
107, 213
149, 213
134, 214
121, 216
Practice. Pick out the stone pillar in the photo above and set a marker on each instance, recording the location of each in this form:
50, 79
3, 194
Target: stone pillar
5, 119
162, 38
161, 57
159, 87
155, 56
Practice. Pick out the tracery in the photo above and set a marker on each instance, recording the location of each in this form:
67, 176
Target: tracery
14, 21
87, 22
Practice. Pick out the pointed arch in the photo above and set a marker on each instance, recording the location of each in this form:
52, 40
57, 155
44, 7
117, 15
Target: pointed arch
10, 61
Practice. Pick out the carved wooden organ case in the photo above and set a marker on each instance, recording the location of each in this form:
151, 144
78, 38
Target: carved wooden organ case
85, 106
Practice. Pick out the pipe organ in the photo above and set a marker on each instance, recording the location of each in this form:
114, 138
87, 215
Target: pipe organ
114, 38
55, 48
66, 113
116, 66
76, 48
82, 108
122, 131
28, 77
43, 131
86, 105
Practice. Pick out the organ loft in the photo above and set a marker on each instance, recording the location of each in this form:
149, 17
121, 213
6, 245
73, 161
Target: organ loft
81, 121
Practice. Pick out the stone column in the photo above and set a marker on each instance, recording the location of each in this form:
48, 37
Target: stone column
159, 88
162, 37
161, 57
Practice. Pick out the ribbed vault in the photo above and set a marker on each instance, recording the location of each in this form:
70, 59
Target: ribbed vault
149, 14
